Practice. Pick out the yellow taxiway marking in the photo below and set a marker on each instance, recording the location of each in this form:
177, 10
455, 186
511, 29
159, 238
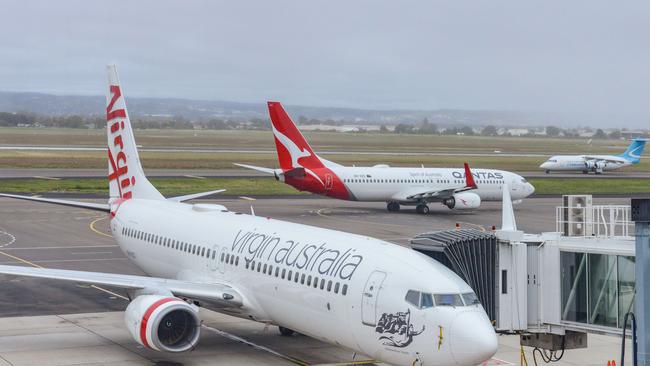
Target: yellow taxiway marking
92, 226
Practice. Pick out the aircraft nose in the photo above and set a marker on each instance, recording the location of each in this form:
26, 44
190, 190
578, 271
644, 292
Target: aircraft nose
531, 188
544, 165
473, 340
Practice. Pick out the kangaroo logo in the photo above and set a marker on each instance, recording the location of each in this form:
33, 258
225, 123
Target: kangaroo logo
294, 151
396, 329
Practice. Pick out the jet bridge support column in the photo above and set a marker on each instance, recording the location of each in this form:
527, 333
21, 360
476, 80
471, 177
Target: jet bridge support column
641, 217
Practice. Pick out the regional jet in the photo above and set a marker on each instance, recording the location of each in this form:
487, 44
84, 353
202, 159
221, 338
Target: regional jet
303, 169
373, 297
596, 163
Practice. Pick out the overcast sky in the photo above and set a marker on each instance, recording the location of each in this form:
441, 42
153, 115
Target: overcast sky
588, 59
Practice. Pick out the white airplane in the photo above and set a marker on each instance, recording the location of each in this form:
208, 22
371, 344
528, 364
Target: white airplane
381, 299
303, 169
596, 163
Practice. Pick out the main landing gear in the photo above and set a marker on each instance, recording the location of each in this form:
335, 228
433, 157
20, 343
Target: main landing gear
392, 206
286, 332
422, 208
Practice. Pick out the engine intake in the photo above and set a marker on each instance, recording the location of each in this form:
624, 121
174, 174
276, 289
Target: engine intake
163, 323
463, 201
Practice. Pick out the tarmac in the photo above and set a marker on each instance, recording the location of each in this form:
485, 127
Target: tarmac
56, 323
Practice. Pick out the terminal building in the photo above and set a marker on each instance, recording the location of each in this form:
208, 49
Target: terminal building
551, 288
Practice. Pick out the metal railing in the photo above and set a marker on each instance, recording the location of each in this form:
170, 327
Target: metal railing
594, 220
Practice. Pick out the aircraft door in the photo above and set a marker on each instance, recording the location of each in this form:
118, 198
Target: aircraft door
328, 181
370, 296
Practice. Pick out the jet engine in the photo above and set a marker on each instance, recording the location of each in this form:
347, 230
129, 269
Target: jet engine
163, 323
463, 201
594, 165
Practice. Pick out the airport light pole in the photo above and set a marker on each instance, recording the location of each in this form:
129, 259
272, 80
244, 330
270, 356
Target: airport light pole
641, 217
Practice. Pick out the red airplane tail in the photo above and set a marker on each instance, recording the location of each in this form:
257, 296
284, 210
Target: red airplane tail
292, 147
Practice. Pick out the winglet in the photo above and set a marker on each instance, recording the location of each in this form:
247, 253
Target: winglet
469, 178
508, 222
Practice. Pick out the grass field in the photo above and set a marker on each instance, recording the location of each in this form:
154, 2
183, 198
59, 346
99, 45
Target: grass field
262, 140
320, 141
269, 186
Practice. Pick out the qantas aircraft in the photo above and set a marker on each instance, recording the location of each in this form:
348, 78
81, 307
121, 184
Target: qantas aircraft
303, 169
596, 163
381, 299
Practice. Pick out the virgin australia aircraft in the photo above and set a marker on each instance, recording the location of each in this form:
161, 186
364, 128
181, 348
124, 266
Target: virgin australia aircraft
377, 298
302, 169
596, 163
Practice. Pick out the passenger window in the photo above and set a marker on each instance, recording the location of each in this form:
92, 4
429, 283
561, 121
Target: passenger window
302, 279
344, 291
322, 283
329, 285
289, 275
315, 282
284, 271
470, 299
413, 298
259, 266
227, 258
448, 300
336, 288
277, 271
203, 252
265, 267
309, 280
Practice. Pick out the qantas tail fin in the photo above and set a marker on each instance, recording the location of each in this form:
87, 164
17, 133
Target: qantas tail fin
634, 151
126, 178
292, 147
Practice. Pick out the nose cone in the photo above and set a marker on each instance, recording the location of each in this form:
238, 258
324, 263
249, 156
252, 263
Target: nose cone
530, 188
544, 165
473, 340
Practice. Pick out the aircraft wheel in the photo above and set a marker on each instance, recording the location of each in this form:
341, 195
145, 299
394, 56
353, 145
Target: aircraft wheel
585, 172
392, 206
286, 332
548, 171
422, 209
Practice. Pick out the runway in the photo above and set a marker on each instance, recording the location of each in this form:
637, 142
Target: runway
48, 322
43, 173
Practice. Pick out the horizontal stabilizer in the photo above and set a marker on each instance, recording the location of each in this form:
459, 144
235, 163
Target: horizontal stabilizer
258, 168
88, 205
192, 196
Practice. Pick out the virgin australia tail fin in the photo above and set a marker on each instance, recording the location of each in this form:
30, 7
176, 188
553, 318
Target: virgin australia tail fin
126, 178
634, 151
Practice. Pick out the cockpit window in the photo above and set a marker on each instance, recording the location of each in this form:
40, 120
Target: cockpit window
448, 300
523, 180
426, 301
470, 299
413, 298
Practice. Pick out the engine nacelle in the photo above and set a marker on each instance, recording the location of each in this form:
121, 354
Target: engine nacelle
163, 323
463, 201
595, 165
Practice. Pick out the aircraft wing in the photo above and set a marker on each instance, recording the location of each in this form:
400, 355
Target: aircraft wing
192, 196
603, 158
436, 195
89, 205
220, 292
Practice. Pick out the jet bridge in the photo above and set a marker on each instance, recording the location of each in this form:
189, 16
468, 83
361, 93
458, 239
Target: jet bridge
551, 288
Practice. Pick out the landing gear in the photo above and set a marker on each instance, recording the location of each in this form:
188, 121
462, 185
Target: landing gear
422, 209
286, 332
392, 206
548, 171
585, 172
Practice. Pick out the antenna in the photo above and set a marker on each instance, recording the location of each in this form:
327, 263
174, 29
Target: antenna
252, 211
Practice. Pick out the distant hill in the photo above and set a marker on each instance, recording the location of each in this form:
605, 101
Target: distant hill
49, 104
